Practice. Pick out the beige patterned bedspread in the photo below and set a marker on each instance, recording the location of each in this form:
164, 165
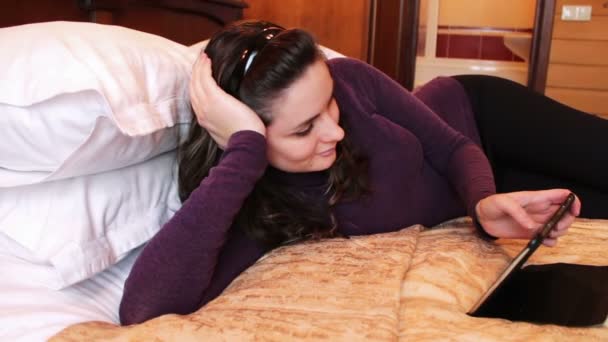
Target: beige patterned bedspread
415, 285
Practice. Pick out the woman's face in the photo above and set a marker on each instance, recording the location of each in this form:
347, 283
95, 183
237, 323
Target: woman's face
304, 131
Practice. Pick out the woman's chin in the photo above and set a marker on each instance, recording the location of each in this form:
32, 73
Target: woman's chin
320, 162
325, 162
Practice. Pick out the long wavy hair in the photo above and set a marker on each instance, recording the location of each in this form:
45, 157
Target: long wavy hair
273, 213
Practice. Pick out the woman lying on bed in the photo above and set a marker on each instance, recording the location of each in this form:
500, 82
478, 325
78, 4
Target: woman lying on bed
291, 146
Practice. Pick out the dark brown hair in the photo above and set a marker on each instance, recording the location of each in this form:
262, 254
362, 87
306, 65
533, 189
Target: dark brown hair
273, 213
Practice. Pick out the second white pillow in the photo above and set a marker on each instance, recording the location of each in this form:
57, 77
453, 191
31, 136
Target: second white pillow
82, 225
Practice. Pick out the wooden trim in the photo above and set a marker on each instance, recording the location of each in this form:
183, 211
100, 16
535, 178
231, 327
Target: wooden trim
371, 39
365, 34
208, 8
384, 40
541, 45
192, 5
408, 38
394, 50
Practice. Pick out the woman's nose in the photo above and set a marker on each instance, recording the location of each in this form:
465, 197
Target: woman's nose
330, 130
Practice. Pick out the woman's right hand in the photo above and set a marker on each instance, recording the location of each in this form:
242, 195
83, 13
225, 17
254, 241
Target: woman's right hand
217, 111
519, 215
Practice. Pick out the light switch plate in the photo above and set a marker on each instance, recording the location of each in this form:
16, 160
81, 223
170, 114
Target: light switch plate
576, 13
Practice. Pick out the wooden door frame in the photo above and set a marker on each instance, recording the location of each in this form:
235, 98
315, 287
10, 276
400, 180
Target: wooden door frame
541, 45
397, 58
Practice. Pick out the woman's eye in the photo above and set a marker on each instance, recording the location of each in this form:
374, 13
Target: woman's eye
304, 132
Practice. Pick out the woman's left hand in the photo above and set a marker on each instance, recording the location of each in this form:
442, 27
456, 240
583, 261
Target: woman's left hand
518, 215
218, 112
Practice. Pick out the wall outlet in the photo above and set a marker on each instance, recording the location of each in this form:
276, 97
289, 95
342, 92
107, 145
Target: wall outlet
576, 13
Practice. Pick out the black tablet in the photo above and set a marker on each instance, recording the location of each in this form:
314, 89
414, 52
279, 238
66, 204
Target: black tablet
483, 304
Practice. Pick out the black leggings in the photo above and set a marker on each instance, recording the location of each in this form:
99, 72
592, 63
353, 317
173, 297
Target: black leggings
534, 142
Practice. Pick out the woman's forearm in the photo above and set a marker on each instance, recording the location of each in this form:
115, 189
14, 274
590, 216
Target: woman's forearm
177, 265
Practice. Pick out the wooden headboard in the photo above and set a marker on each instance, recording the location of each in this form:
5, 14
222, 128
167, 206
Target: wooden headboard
184, 21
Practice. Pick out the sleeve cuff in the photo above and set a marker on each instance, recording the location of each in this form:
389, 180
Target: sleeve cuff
246, 137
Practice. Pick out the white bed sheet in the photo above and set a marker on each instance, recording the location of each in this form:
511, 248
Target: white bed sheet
30, 311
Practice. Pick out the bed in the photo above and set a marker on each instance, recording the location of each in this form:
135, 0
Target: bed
62, 271
412, 285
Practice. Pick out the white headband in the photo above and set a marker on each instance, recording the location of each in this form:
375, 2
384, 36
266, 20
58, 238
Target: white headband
249, 61
267, 37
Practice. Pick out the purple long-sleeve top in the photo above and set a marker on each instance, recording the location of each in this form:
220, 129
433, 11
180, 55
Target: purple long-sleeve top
421, 171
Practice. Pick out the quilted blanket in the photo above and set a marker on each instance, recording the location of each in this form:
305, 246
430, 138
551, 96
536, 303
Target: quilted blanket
415, 284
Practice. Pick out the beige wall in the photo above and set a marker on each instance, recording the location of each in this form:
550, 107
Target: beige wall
487, 13
578, 64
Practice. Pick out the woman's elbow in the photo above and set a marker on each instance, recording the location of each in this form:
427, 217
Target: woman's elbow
133, 313
129, 315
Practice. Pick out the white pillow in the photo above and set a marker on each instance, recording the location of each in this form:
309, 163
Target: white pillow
82, 225
330, 54
79, 98
199, 47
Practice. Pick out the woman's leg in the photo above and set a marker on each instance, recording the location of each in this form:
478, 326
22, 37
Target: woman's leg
534, 142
